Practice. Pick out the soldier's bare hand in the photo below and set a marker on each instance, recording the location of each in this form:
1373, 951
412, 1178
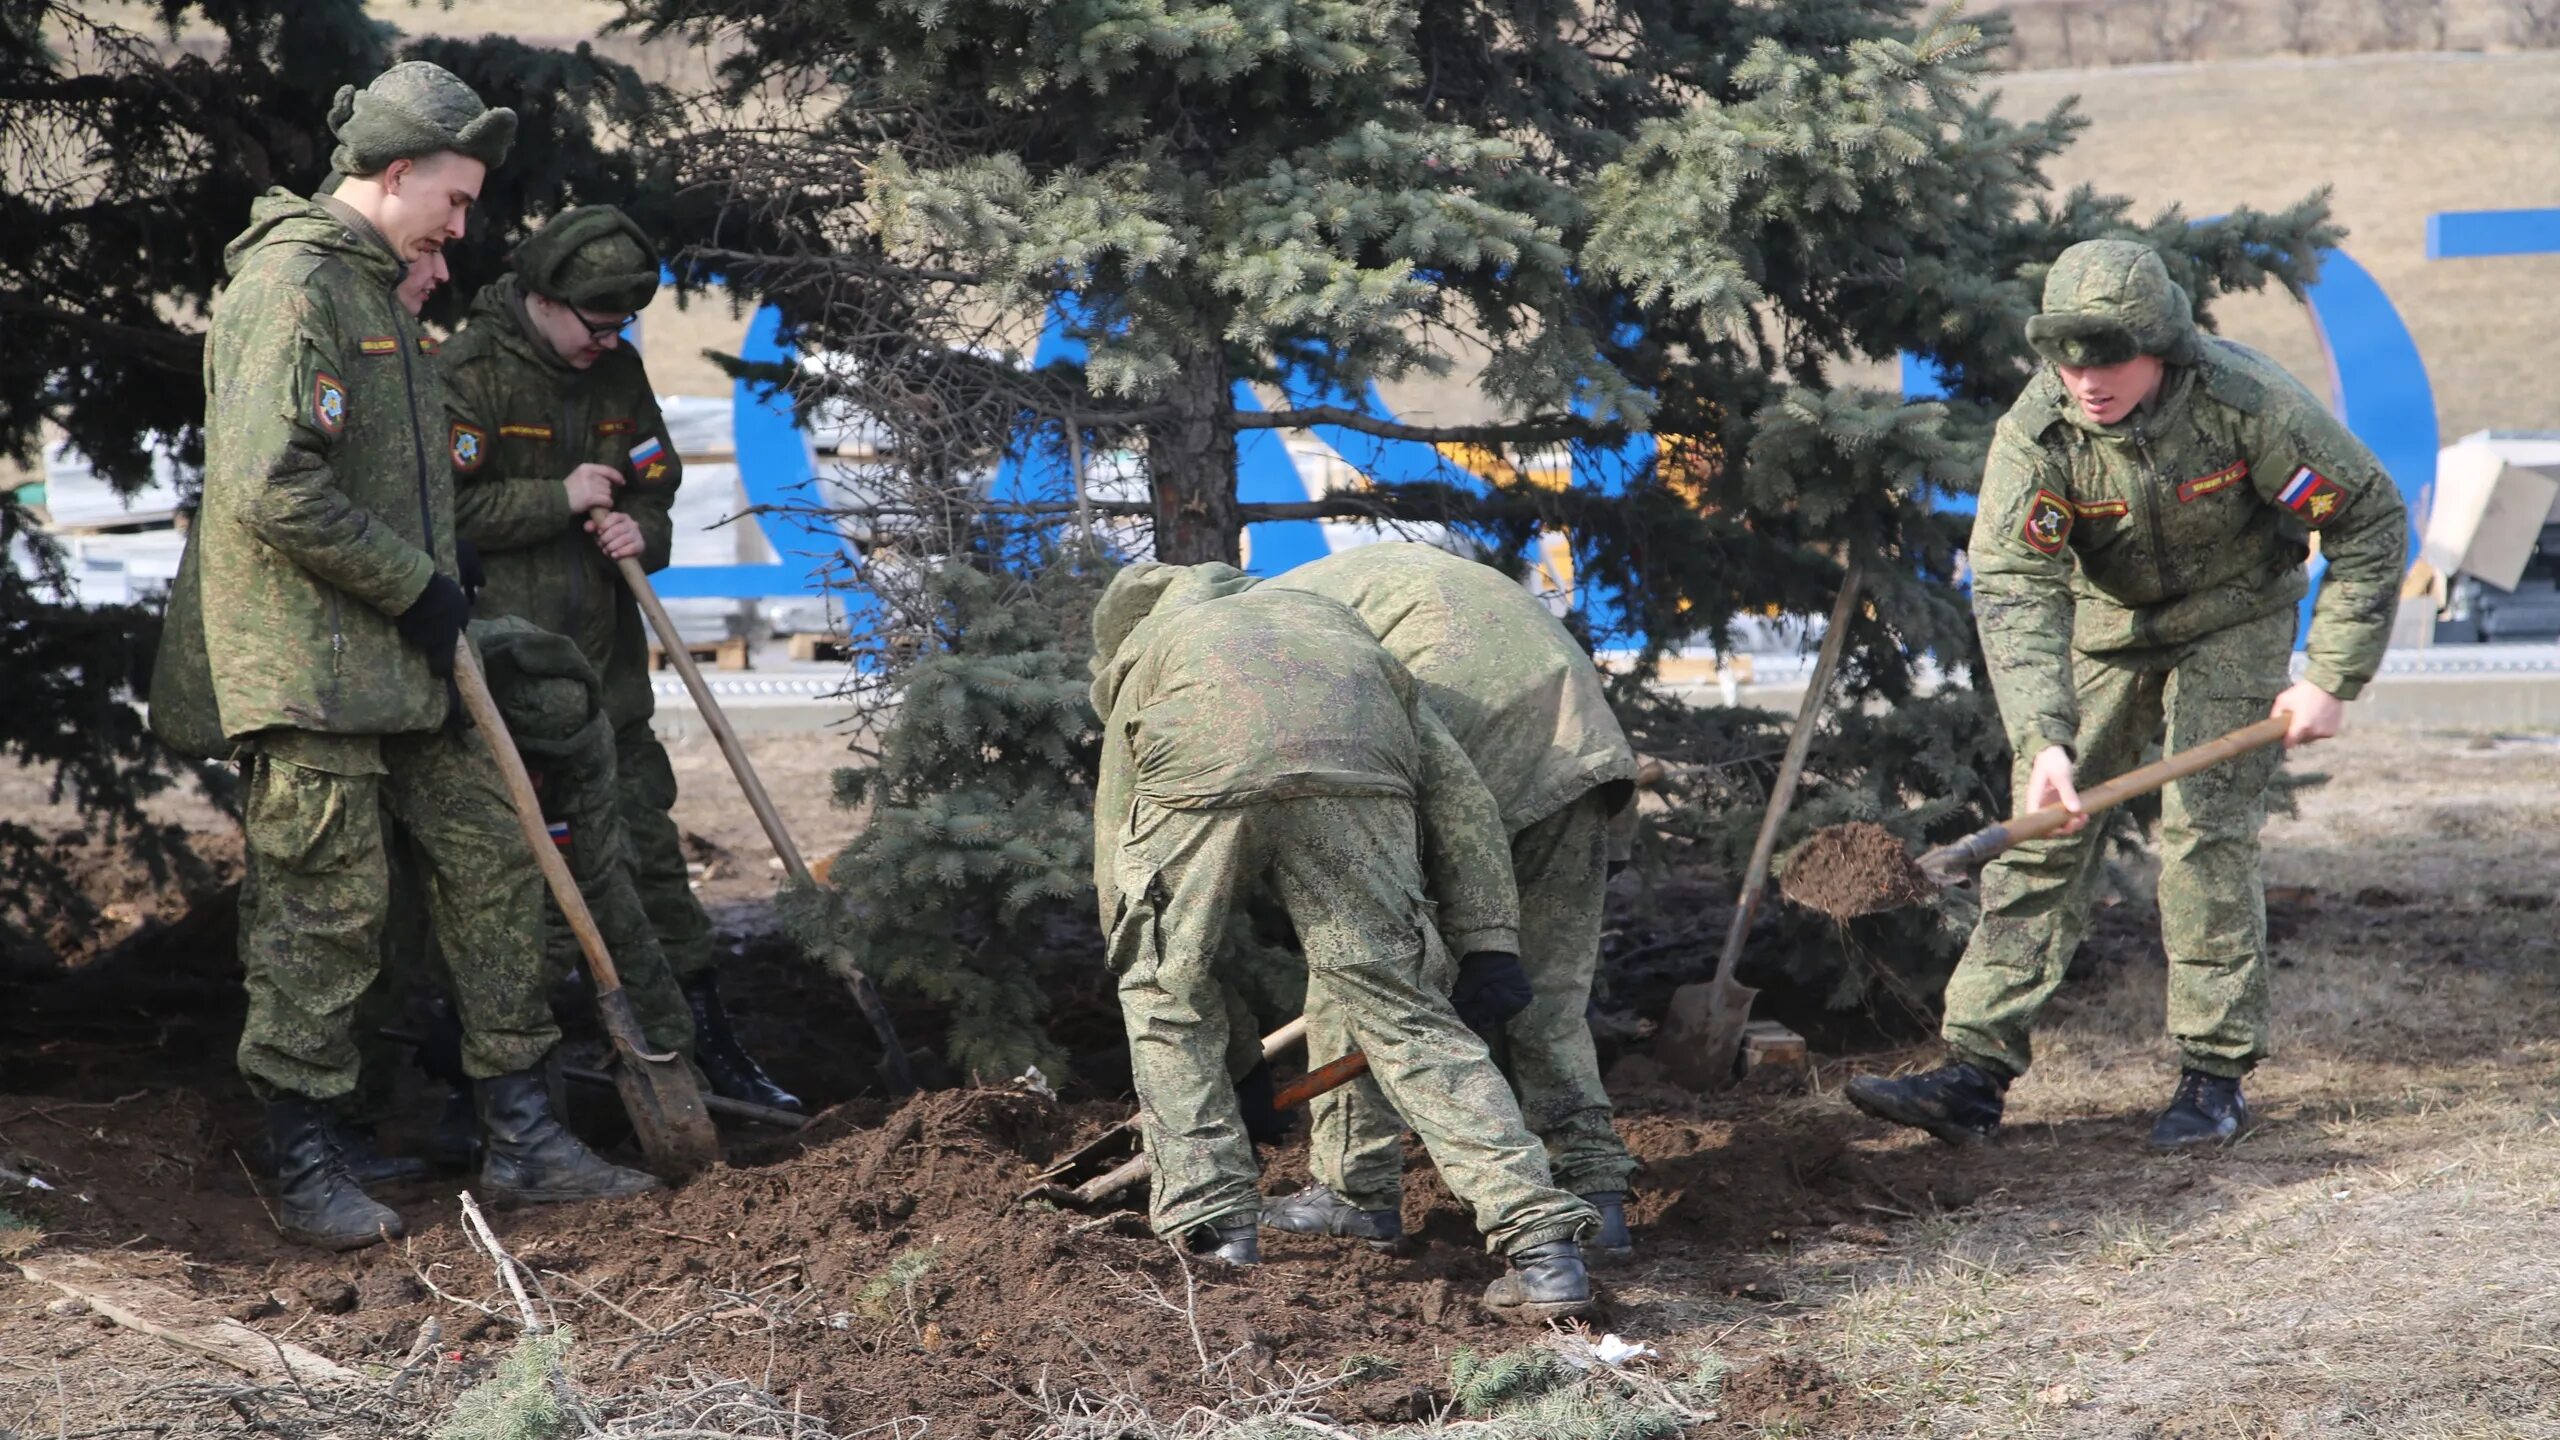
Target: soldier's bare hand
2310, 712
2050, 783
591, 487
617, 535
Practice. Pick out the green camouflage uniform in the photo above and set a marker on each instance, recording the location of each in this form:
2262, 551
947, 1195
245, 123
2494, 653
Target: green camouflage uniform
2136, 583
521, 420
1525, 703
327, 507
1263, 732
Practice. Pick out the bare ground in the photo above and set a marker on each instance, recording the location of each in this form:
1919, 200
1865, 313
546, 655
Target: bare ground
2377, 1259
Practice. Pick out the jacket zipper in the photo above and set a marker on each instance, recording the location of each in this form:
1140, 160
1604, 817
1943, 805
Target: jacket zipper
2151, 507
568, 452
337, 654
417, 438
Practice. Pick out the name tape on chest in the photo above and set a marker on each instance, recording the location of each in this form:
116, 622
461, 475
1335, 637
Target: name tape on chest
379, 345
649, 459
524, 432
470, 447
328, 402
2313, 496
2048, 523
613, 427
2099, 509
2222, 479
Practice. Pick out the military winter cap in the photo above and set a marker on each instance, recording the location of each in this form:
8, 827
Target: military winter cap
2106, 301
414, 109
592, 257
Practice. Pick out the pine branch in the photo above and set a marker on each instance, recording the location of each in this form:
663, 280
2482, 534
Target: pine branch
1545, 430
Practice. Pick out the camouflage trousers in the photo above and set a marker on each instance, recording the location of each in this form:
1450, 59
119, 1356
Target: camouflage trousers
1562, 866
311, 934
647, 788
2036, 898
1350, 875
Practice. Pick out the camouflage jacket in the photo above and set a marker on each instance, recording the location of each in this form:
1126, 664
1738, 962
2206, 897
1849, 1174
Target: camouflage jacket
326, 506
1223, 694
1520, 696
519, 421
2185, 518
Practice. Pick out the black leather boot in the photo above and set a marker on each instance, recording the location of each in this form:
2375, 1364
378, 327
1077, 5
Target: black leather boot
1232, 1242
317, 1201
1959, 1102
1546, 1282
1613, 1245
1316, 1210
368, 1165
531, 1158
2207, 1110
733, 1073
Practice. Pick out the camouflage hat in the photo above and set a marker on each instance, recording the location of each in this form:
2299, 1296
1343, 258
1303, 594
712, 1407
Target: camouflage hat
1126, 603
414, 109
2106, 301
592, 257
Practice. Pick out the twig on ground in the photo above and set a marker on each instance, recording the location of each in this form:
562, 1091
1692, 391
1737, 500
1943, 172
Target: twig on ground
475, 1226
255, 1193
409, 1256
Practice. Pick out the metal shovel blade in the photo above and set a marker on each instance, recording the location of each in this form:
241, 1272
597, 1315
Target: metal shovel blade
659, 1091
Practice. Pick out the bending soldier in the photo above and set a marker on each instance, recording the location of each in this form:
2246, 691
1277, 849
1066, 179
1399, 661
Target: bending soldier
2137, 566
552, 420
1263, 732
1524, 702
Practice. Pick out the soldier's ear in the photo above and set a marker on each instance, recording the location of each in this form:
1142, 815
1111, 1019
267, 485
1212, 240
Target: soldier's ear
395, 173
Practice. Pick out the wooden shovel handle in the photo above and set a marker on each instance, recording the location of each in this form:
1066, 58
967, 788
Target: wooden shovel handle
673, 645
1949, 863
546, 856
1326, 1077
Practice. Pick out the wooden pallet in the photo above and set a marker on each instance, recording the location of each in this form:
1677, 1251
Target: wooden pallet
832, 648
728, 654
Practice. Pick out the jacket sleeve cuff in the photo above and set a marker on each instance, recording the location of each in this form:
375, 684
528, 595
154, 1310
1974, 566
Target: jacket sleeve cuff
2335, 681
560, 499
410, 586
1502, 938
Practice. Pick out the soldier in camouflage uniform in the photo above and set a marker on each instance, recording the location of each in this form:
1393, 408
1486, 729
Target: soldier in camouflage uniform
1263, 732
552, 418
2138, 561
1524, 701
312, 630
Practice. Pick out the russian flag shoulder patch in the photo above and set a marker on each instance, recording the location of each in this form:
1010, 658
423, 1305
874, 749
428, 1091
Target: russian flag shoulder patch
2313, 496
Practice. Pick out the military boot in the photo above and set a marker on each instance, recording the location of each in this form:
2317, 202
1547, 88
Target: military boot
1613, 1245
1959, 1102
1545, 1282
317, 1201
366, 1163
1316, 1210
733, 1073
2206, 1110
529, 1157
453, 1142
1234, 1242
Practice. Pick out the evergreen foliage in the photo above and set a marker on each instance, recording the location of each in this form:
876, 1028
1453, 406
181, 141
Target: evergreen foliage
980, 836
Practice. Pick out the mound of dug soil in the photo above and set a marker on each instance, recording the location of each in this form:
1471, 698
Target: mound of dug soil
1849, 870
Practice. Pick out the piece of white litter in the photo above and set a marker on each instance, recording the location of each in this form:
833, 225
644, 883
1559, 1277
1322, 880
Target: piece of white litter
1035, 1082
1611, 1351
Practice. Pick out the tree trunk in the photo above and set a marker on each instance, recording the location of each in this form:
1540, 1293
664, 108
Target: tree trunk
1191, 461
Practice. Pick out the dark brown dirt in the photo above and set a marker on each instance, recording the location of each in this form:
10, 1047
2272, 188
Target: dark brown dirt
1845, 871
1791, 1396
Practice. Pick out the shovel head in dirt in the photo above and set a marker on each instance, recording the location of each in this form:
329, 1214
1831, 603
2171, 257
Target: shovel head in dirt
657, 1088
1139, 1168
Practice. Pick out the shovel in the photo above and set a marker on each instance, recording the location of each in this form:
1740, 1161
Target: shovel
657, 1088
1954, 864
1054, 1188
1888, 879
866, 995
1698, 1050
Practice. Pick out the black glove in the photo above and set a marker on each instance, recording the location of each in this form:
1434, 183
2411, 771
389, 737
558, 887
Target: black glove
466, 560
434, 621
1264, 1122
1491, 989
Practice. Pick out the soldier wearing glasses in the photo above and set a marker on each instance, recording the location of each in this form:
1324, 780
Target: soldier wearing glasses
562, 468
